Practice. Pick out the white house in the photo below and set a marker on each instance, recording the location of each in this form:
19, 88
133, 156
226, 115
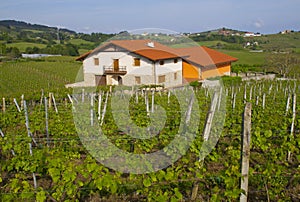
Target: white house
251, 34
134, 62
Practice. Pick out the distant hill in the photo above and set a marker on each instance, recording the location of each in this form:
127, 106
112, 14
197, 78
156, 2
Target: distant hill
222, 31
13, 25
21, 37
18, 37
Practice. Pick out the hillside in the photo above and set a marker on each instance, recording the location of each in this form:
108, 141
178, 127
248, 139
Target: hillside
6, 25
230, 39
20, 37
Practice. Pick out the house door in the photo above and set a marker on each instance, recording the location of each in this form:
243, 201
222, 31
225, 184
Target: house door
100, 80
116, 65
120, 80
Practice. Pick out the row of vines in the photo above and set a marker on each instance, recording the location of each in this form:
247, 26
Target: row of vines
51, 164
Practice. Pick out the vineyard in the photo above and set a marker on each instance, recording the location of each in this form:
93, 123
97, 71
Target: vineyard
29, 77
44, 156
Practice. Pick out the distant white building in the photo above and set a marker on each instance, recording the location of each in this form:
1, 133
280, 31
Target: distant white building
251, 34
286, 32
37, 55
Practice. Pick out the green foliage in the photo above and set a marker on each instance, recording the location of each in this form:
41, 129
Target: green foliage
246, 57
29, 77
67, 172
214, 37
245, 68
231, 81
51, 40
195, 84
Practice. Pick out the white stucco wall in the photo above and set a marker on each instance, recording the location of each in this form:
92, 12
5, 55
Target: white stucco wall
146, 70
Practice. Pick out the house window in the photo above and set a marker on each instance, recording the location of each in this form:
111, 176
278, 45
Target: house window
96, 61
137, 62
161, 79
137, 80
175, 76
161, 62
175, 60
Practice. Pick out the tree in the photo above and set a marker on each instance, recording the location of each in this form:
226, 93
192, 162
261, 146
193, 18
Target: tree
2, 49
13, 52
282, 63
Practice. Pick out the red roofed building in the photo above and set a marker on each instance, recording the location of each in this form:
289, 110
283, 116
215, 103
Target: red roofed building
202, 63
134, 62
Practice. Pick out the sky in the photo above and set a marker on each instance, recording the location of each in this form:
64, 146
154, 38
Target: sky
113, 16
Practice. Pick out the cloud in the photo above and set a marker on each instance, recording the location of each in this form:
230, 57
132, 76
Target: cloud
258, 24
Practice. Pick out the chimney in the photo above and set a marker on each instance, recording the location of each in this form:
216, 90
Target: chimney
150, 44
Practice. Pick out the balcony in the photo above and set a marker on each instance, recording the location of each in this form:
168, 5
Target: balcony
111, 70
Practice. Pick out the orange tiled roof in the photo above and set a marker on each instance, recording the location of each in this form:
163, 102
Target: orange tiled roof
156, 54
204, 56
140, 47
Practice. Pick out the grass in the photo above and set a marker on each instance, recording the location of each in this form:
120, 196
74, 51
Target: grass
34, 30
80, 41
275, 42
246, 57
82, 51
297, 50
211, 43
31, 76
23, 45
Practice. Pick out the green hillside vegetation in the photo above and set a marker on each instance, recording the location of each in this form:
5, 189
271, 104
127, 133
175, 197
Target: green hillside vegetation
29, 77
247, 57
22, 46
29, 38
279, 42
19, 37
79, 42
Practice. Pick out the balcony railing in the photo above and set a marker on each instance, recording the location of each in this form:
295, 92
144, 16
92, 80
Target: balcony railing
115, 70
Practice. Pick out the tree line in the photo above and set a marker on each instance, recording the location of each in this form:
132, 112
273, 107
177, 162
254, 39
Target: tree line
57, 49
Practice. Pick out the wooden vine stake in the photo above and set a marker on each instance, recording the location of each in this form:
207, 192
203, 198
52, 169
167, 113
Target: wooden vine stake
1, 133
30, 145
245, 94
50, 101
264, 101
54, 102
99, 104
210, 116
46, 121
92, 109
287, 108
233, 102
152, 102
16, 103
293, 124
82, 95
42, 97
220, 98
245, 151
147, 103
22, 102
136, 97
3, 105
104, 109
250, 96
206, 133
257, 100
70, 98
